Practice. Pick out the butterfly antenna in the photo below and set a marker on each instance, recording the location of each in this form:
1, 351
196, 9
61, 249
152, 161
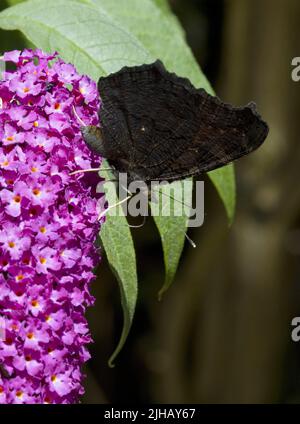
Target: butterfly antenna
102, 214
78, 117
126, 189
171, 197
192, 243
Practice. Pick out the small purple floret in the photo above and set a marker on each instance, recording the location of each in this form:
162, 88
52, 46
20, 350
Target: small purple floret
48, 228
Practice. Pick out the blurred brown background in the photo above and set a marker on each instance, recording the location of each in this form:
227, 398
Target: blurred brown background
222, 332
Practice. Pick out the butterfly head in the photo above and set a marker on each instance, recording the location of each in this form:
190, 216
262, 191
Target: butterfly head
92, 135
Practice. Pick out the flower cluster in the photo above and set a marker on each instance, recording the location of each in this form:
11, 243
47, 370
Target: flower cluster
48, 228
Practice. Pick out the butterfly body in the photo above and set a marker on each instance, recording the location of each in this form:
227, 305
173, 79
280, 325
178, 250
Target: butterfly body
157, 126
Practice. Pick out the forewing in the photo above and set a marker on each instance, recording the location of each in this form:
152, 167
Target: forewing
158, 126
224, 134
142, 119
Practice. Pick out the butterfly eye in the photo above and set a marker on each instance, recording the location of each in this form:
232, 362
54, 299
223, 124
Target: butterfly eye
93, 137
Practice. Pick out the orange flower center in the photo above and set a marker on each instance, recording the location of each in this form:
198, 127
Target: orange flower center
42, 260
36, 191
17, 198
11, 244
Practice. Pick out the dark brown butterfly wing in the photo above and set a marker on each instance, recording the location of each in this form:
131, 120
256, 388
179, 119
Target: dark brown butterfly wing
156, 125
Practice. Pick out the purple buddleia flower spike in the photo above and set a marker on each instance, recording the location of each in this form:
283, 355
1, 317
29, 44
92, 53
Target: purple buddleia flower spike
48, 228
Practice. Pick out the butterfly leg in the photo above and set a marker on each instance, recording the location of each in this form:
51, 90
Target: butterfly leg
102, 214
82, 171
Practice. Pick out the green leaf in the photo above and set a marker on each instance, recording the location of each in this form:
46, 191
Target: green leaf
172, 227
14, 2
118, 245
163, 4
224, 181
158, 32
82, 33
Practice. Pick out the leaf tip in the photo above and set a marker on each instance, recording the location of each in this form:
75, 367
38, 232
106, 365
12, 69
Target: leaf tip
164, 288
160, 295
111, 363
